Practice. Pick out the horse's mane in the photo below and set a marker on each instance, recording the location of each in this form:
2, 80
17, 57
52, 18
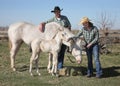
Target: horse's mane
53, 23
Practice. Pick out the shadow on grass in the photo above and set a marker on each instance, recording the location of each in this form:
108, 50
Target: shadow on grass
76, 70
113, 71
26, 68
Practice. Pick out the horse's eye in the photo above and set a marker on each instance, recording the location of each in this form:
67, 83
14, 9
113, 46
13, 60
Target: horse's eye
64, 33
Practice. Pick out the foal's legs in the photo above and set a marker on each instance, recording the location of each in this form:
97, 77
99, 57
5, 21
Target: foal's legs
35, 56
54, 65
14, 49
31, 62
49, 62
36, 63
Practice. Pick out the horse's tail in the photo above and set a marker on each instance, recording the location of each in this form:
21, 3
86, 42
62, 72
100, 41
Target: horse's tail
30, 49
10, 44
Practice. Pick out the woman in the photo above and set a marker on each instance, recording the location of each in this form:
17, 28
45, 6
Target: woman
91, 36
63, 21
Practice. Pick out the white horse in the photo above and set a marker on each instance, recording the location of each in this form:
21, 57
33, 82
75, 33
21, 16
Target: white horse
52, 46
26, 32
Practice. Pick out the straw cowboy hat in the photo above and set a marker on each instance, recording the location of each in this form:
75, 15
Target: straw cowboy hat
84, 20
56, 8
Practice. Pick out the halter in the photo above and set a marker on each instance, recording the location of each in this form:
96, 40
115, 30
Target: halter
55, 35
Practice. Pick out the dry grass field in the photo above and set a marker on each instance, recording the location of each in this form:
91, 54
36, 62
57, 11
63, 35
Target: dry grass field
110, 64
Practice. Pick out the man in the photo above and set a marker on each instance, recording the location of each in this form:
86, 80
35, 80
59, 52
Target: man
63, 21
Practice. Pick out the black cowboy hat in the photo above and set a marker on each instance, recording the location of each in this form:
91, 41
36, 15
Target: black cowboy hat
56, 8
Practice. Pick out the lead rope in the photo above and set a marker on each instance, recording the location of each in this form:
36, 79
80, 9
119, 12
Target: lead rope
70, 59
73, 71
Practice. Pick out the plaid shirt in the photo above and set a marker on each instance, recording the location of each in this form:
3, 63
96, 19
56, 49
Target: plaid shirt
63, 21
90, 36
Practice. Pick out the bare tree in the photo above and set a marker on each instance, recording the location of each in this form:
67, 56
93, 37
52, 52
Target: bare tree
105, 23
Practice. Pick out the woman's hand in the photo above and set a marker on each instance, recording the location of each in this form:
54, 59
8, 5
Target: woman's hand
89, 45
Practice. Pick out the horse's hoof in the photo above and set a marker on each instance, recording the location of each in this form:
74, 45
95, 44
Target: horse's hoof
39, 74
14, 69
53, 74
57, 75
49, 71
31, 74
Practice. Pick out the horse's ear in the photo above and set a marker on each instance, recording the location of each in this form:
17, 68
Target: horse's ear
62, 34
81, 38
61, 28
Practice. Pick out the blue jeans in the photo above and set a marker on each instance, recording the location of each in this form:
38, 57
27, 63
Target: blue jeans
93, 50
61, 56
